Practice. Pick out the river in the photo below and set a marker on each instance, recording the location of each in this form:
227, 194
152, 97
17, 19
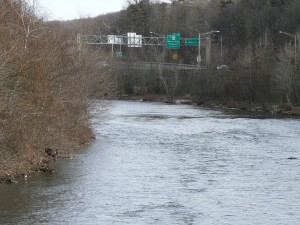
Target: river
155, 163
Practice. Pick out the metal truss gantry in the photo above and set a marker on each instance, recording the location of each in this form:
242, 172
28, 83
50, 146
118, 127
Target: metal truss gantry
120, 40
138, 41
125, 40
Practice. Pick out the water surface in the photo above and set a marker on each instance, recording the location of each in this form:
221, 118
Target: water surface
154, 163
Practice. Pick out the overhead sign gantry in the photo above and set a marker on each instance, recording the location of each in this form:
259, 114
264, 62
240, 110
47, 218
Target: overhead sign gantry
173, 41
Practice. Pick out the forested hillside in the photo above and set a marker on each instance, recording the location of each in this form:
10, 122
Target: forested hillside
263, 64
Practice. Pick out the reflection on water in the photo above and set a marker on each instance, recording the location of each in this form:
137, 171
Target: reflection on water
168, 164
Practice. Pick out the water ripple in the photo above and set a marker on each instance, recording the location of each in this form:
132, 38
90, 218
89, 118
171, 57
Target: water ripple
169, 164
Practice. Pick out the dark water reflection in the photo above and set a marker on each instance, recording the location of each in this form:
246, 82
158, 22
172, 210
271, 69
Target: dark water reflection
168, 164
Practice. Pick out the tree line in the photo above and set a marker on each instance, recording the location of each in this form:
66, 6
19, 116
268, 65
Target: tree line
263, 64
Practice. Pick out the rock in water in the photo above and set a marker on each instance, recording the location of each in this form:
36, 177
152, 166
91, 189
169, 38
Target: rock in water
291, 158
51, 152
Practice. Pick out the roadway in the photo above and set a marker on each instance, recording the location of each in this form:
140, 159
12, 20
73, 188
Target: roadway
155, 65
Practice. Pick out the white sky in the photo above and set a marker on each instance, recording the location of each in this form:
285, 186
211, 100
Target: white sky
74, 9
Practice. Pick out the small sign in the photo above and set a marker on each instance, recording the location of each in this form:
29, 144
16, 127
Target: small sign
175, 56
119, 54
199, 58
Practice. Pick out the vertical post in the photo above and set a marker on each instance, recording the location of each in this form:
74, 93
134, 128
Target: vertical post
295, 43
199, 55
208, 51
208, 48
221, 50
295, 50
79, 43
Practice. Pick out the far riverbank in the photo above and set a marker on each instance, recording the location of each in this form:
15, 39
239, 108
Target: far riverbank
285, 109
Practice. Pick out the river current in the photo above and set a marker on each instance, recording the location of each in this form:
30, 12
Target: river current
155, 163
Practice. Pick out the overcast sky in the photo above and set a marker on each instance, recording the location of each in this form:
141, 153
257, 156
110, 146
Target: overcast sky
73, 9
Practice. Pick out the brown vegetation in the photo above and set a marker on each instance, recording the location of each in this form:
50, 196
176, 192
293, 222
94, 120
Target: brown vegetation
44, 88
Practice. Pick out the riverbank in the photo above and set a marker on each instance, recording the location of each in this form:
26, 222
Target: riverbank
14, 167
271, 109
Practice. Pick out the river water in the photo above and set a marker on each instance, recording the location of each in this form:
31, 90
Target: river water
155, 163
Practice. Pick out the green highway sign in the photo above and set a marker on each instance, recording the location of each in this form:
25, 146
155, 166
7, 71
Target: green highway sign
192, 42
173, 41
173, 45
119, 54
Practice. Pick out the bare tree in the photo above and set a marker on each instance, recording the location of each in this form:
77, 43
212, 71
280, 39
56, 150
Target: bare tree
284, 77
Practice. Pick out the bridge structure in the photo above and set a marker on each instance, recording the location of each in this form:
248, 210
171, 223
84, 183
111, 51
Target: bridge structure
132, 40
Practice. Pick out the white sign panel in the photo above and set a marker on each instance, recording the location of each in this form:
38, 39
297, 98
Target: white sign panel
134, 40
114, 40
